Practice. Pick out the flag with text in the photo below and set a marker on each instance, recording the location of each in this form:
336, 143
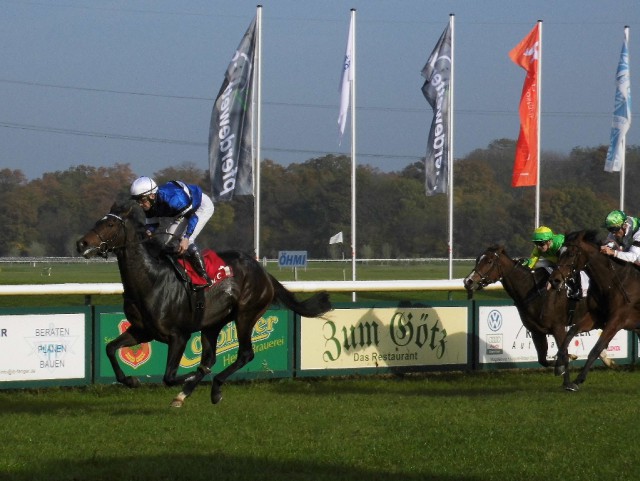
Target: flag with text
436, 89
527, 55
345, 82
621, 112
230, 133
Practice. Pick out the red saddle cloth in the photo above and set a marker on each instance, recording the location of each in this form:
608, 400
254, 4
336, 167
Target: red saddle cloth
216, 268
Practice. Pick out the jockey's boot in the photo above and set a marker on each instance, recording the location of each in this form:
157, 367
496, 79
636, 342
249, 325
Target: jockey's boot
193, 253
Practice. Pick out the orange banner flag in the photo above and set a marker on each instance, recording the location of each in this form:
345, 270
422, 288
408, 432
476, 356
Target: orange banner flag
527, 54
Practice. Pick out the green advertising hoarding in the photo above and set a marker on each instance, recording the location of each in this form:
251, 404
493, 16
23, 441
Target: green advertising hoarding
271, 338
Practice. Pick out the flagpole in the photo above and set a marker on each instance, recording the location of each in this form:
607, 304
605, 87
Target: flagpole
353, 150
624, 141
539, 107
450, 141
257, 78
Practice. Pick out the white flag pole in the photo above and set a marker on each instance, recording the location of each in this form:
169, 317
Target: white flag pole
257, 79
539, 107
352, 33
450, 142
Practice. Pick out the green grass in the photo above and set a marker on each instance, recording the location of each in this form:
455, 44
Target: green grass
99, 271
456, 426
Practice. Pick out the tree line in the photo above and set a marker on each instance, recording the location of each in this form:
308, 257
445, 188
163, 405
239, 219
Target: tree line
304, 204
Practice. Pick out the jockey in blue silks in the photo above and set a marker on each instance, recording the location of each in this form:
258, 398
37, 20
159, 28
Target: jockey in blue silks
186, 204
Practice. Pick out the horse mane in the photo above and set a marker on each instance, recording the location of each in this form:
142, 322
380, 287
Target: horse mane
131, 211
589, 235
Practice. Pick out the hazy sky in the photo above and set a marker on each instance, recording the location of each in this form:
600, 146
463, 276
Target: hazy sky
105, 82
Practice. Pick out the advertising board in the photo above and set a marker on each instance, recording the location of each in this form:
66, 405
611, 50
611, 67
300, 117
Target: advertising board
384, 338
504, 342
40, 347
271, 344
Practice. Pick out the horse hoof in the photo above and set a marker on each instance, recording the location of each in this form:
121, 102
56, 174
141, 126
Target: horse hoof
131, 382
178, 401
216, 398
572, 387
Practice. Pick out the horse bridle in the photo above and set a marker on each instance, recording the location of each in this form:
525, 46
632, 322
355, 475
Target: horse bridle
104, 247
484, 280
573, 269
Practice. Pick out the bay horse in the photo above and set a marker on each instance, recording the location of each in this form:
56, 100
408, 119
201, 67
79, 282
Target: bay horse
162, 307
614, 295
541, 311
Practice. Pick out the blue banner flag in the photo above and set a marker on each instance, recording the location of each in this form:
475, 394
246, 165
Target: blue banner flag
621, 112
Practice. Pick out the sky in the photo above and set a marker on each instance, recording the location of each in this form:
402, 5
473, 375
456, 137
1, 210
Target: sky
133, 82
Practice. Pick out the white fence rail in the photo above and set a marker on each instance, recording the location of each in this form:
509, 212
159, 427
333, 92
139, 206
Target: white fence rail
294, 286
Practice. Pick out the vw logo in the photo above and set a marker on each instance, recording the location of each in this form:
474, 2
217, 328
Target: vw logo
494, 320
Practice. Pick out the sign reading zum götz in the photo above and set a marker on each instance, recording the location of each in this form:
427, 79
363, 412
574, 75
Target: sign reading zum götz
271, 338
386, 338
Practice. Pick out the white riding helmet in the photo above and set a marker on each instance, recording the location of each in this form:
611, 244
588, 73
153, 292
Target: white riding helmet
143, 186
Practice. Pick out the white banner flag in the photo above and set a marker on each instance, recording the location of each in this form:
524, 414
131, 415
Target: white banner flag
345, 83
621, 113
336, 239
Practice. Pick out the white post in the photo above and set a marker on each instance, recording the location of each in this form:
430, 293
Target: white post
353, 151
257, 78
450, 140
539, 87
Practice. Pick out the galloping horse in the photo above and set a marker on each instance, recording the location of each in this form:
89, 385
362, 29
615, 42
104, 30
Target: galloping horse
614, 295
161, 307
542, 311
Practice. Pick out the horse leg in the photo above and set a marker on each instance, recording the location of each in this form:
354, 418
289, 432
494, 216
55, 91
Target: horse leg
207, 360
128, 338
606, 360
244, 328
562, 362
601, 344
176, 347
540, 342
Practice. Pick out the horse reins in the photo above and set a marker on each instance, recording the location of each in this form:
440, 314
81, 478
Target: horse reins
574, 271
484, 280
103, 247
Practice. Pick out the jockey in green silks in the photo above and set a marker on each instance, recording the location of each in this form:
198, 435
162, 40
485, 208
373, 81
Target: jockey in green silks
547, 245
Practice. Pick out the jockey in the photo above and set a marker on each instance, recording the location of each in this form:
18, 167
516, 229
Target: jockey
186, 204
546, 247
624, 231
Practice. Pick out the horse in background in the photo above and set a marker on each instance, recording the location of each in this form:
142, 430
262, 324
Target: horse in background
614, 296
542, 311
160, 306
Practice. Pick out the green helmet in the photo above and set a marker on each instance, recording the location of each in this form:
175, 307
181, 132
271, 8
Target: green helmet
541, 234
615, 218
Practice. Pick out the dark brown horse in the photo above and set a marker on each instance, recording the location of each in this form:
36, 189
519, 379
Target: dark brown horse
614, 296
542, 311
161, 307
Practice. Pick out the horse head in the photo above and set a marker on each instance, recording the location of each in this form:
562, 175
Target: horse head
573, 257
488, 269
109, 233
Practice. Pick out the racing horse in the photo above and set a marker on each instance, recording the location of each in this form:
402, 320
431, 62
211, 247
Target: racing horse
162, 307
542, 311
614, 300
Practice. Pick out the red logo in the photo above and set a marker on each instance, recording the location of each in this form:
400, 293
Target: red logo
134, 356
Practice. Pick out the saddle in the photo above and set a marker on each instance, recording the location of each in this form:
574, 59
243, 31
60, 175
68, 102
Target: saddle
215, 266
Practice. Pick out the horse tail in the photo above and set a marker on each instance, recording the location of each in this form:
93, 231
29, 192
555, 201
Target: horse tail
314, 306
